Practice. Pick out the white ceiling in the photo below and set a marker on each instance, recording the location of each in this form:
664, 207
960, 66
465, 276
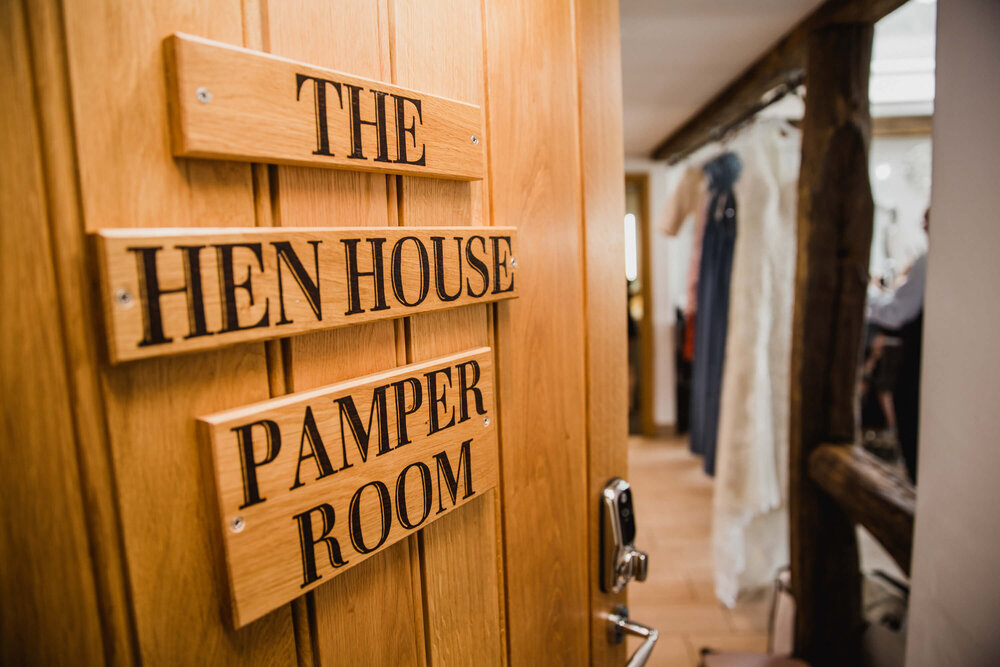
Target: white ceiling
677, 54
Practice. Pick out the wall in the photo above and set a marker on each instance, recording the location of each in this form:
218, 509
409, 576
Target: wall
668, 271
956, 593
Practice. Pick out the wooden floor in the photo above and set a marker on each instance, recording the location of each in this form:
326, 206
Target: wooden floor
673, 504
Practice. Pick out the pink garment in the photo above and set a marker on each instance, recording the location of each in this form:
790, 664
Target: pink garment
695, 264
689, 197
684, 201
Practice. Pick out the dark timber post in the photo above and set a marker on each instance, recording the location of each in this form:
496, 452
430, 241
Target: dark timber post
835, 212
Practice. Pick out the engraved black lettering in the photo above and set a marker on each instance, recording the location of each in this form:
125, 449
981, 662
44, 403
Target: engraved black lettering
465, 386
450, 479
362, 435
479, 265
319, 98
357, 538
402, 437
308, 286
497, 263
402, 511
150, 293
397, 271
434, 400
249, 463
354, 275
317, 450
438, 243
402, 130
378, 124
228, 285
307, 543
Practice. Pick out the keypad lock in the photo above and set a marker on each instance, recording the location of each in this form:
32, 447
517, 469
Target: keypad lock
621, 562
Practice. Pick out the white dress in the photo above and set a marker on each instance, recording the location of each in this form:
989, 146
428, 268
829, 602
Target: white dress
750, 518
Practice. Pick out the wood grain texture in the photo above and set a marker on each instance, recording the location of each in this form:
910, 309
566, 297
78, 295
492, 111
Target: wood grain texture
602, 157
872, 494
381, 587
535, 177
158, 463
77, 303
261, 109
50, 608
266, 558
146, 493
191, 290
901, 126
835, 213
437, 46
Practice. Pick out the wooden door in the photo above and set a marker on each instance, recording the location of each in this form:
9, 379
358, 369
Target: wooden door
110, 554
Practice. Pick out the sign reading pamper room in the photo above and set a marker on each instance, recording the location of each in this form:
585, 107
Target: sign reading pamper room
311, 484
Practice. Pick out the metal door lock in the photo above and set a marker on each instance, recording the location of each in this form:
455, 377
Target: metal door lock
621, 562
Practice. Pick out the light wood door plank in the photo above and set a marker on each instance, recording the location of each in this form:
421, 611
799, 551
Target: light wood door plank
437, 46
50, 611
80, 336
369, 614
128, 178
534, 170
599, 62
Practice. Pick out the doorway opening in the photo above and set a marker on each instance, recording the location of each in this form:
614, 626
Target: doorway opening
718, 536
639, 295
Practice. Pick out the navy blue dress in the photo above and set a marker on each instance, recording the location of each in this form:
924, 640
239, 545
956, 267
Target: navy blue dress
713, 306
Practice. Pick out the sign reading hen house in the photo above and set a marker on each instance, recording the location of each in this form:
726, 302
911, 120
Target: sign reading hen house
311, 484
167, 291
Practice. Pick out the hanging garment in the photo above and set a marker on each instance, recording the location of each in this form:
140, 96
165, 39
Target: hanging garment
906, 395
694, 269
750, 520
713, 305
682, 373
688, 198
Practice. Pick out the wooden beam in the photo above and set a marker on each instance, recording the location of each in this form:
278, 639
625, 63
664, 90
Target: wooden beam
781, 64
835, 211
871, 493
901, 126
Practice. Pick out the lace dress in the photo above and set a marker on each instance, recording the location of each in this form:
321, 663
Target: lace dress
750, 520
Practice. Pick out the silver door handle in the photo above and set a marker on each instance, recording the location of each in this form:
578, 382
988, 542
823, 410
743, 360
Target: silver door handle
620, 625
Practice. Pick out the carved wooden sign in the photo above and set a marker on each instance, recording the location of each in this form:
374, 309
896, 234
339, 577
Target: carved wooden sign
232, 103
311, 484
167, 291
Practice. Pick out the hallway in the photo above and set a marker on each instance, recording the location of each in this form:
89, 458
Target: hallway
673, 501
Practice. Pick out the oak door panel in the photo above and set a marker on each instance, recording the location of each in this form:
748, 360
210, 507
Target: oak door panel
437, 47
129, 178
368, 615
534, 169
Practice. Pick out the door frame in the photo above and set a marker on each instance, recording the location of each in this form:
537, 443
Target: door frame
643, 233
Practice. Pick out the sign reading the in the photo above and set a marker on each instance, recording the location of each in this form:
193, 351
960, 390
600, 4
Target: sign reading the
175, 290
231, 103
311, 484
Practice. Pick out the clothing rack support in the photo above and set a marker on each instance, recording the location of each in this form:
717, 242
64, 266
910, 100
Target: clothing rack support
835, 214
